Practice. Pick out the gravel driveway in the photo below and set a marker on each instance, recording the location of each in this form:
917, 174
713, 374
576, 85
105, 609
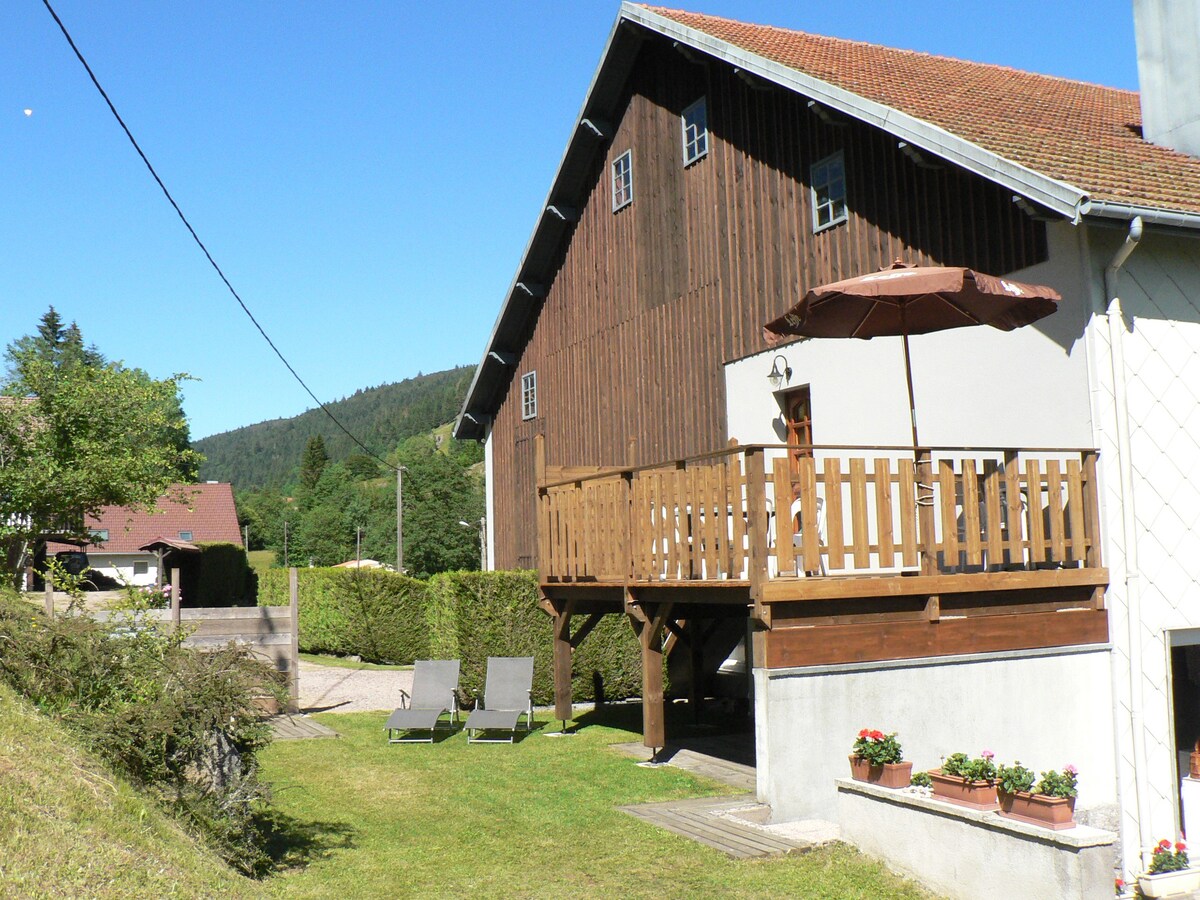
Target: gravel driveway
334, 689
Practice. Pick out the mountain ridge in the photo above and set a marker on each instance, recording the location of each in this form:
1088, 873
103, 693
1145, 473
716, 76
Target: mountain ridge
267, 454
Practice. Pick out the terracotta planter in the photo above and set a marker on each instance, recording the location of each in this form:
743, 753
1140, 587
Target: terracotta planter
888, 775
1056, 813
972, 794
1169, 884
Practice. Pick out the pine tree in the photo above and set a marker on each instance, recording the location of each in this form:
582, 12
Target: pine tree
313, 462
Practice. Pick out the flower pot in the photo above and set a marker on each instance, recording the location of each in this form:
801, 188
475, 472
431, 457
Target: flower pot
1169, 884
972, 794
1056, 813
888, 775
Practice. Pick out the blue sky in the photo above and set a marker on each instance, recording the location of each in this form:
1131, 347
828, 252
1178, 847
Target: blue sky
367, 174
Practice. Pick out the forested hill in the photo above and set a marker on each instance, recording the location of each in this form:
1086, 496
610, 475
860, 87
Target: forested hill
268, 454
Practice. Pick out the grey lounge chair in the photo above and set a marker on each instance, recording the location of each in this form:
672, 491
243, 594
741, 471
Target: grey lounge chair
434, 693
507, 695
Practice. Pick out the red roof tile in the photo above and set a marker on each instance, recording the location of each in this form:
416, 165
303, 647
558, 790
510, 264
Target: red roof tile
1082, 134
208, 513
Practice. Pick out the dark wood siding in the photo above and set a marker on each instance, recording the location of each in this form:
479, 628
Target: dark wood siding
648, 303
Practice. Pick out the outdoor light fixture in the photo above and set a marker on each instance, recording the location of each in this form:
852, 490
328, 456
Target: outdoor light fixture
777, 377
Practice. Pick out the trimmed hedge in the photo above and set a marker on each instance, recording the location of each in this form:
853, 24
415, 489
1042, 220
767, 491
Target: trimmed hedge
384, 617
474, 615
223, 577
371, 613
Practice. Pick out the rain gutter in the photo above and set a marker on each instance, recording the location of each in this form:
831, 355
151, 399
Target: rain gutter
1133, 590
1127, 212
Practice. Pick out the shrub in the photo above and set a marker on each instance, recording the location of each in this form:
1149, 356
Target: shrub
372, 613
1059, 784
177, 722
474, 615
223, 577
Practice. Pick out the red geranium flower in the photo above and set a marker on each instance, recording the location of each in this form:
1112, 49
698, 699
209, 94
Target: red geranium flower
877, 735
1180, 846
863, 733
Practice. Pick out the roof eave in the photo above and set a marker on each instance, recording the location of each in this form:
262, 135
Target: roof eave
1151, 215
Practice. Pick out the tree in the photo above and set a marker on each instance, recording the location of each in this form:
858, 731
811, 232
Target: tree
313, 462
78, 433
438, 495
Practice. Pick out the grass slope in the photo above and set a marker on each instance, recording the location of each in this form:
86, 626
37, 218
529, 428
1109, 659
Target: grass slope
69, 828
535, 819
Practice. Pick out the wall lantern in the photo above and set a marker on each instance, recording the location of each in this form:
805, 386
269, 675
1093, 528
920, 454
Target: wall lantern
777, 377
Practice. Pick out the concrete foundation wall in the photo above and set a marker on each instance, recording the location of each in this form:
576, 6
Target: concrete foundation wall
970, 855
1046, 708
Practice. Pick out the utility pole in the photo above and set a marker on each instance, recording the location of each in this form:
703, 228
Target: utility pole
246, 536
285, 544
400, 470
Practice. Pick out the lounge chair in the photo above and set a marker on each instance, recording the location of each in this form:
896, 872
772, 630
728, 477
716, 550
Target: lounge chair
507, 695
434, 693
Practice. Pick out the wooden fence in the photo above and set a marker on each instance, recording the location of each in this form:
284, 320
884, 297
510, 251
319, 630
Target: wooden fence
821, 510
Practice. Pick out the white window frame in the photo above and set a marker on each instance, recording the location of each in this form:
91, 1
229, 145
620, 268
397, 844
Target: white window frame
189, 534
529, 395
622, 180
695, 144
98, 535
820, 183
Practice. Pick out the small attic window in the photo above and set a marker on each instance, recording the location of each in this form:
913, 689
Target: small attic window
828, 192
695, 131
98, 535
529, 395
622, 180
185, 535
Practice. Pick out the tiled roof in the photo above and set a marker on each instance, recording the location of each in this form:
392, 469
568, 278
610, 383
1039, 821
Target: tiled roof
1082, 134
208, 513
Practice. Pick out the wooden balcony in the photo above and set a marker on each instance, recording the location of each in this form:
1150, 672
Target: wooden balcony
766, 512
839, 553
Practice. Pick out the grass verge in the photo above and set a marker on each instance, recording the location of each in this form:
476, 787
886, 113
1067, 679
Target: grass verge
535, 819
70, 828
344, 662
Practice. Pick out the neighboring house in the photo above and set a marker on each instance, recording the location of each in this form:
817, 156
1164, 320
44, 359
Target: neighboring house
129, 546
719, 170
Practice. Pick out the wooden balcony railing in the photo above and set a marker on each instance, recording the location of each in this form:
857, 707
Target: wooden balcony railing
782, 511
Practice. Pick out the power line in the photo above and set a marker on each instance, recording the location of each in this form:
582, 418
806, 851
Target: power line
200, 243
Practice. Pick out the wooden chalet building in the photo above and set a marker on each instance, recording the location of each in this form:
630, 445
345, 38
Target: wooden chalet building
651, 458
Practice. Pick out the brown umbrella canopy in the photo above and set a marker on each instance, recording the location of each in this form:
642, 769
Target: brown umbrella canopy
906, 300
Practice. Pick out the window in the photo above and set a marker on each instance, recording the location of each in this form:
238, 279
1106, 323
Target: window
829, 192
529, 395
185, 535
99, 535
622, 175
141, 567
695, 131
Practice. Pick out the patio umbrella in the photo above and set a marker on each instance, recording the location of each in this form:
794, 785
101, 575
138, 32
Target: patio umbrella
904, 299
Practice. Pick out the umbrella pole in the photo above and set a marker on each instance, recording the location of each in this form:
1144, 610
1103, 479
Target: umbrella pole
925, 519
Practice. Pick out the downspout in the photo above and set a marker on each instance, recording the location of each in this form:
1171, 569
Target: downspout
1133, 592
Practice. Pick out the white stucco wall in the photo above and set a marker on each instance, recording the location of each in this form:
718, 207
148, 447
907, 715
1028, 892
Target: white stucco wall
120, 566
1046, 708
1159, 289
973, 386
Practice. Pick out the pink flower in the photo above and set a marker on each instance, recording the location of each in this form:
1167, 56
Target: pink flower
987, 754
1070, 769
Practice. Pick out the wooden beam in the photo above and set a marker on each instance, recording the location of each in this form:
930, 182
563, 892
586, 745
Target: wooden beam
653, 715
834, 644
585, 629
562, 662
831, 588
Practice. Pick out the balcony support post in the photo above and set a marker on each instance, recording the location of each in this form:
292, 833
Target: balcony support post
562, 661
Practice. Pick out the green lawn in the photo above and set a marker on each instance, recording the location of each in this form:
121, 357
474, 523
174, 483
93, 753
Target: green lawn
342, 662
536, 819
